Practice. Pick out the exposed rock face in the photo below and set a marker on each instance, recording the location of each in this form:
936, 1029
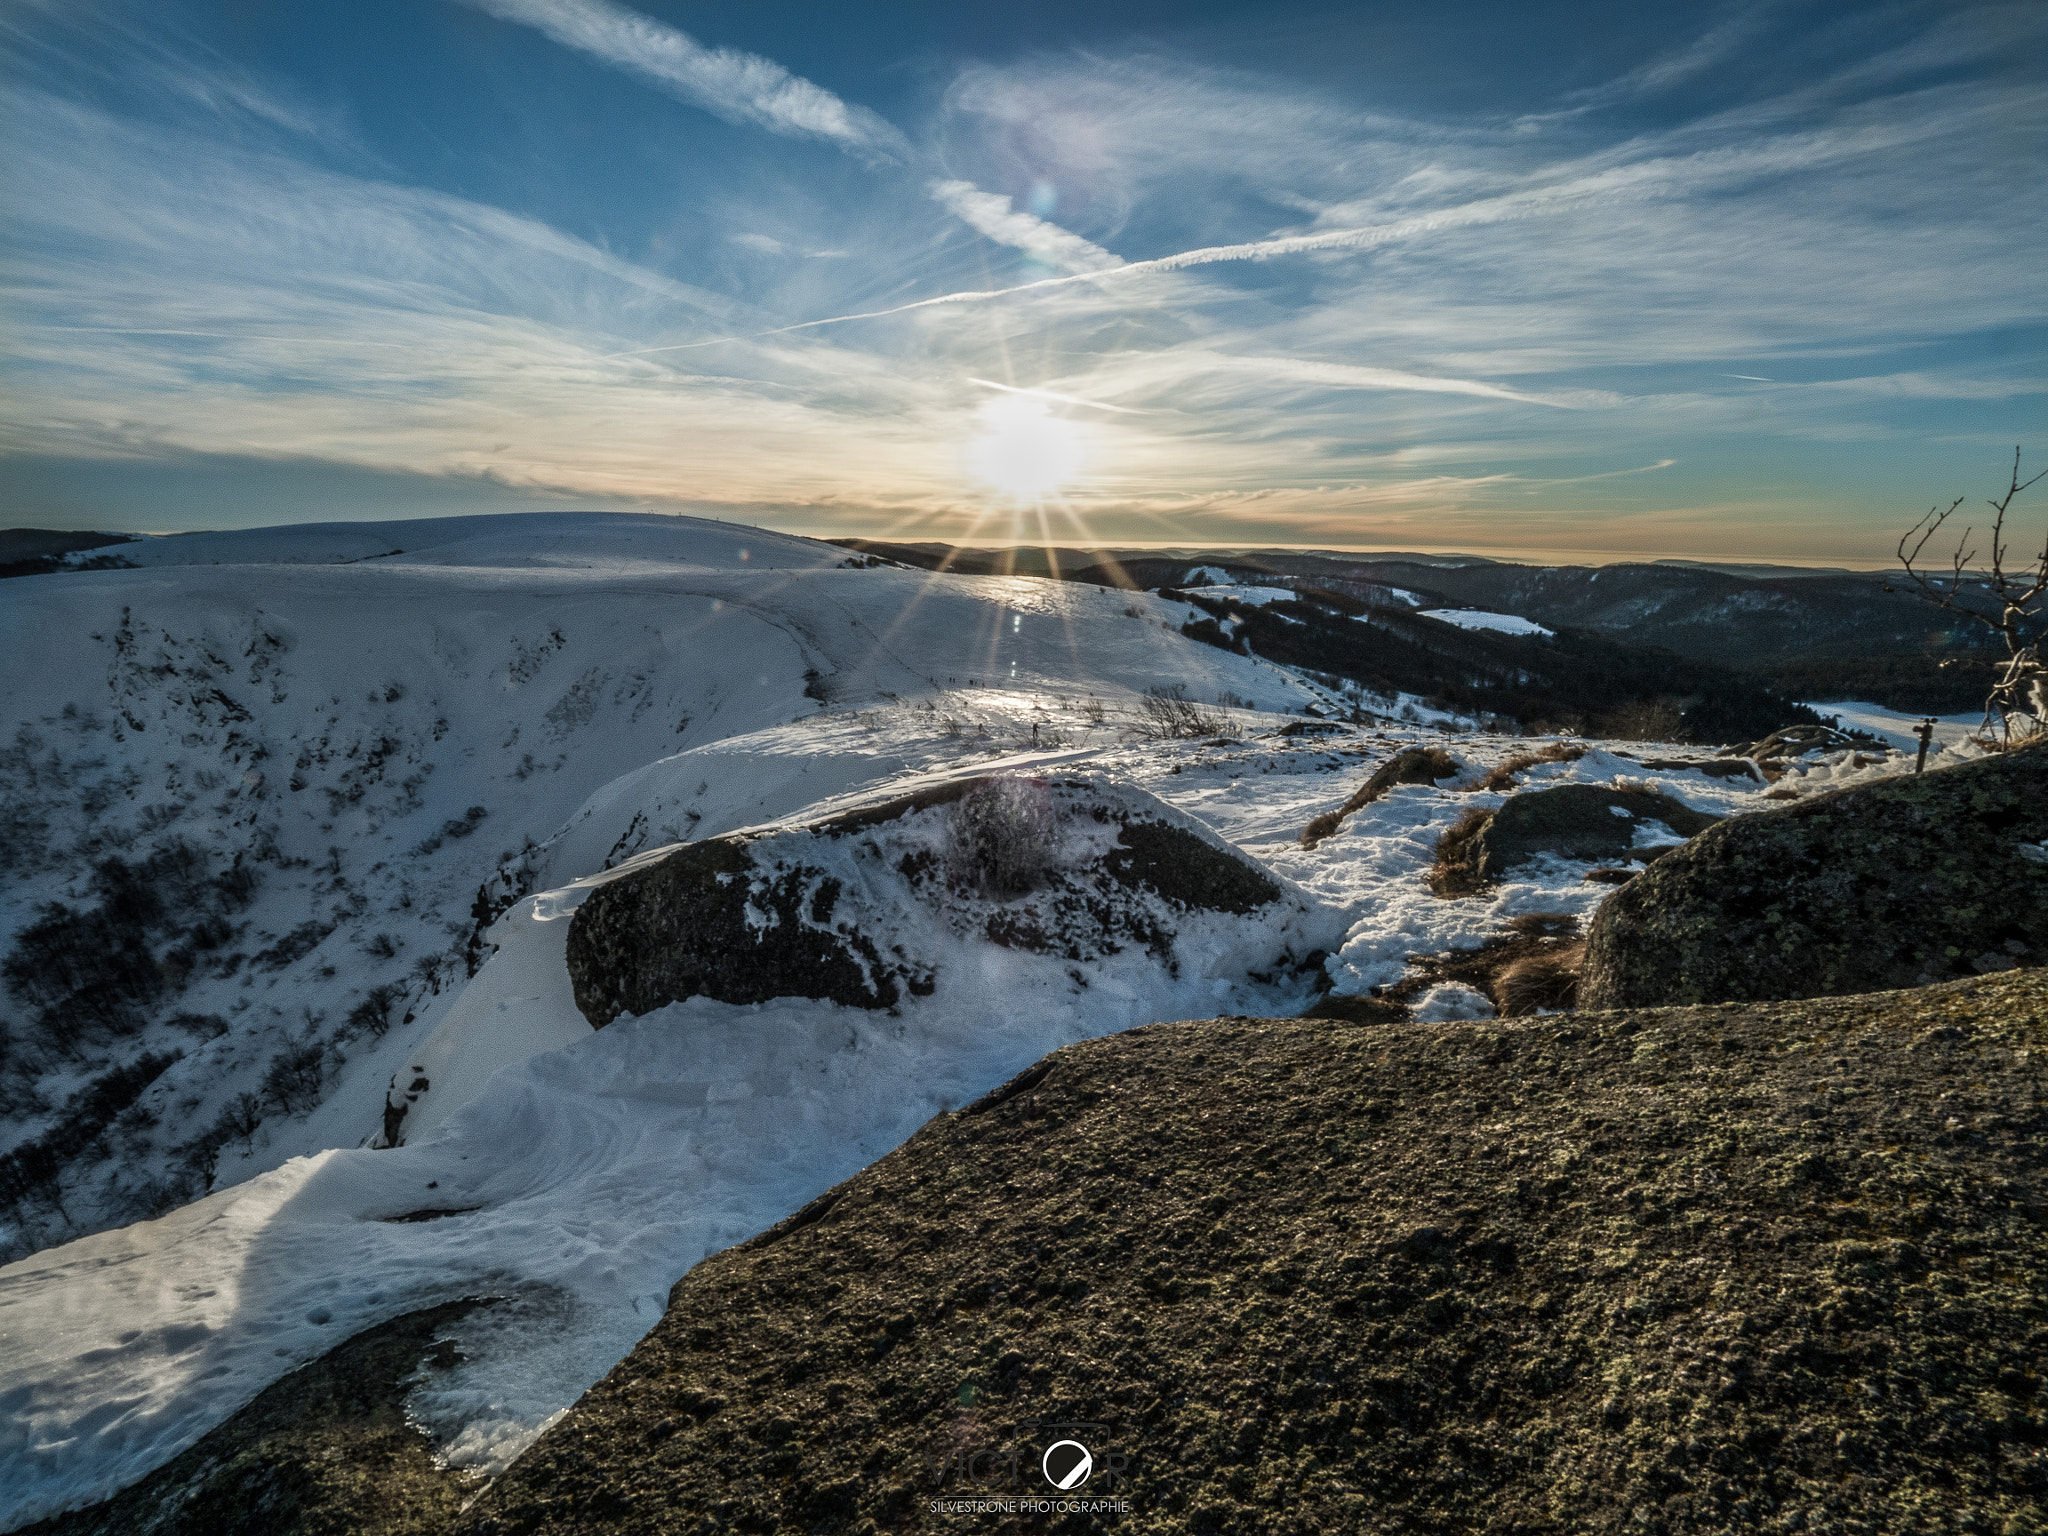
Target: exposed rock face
1064, 867
1768, 1266
1571, 821
1893, 884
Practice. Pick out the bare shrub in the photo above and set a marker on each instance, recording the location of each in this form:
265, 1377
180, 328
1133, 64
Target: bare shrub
1168, 714
237, 1121
1001, 838
295, 1077
373, 1014
29, 1173
2021, 687
241, 1116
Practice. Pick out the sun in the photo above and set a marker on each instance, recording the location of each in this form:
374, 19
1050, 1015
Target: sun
1024, 452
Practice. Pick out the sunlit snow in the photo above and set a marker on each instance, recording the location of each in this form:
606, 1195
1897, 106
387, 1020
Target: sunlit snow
1472, 618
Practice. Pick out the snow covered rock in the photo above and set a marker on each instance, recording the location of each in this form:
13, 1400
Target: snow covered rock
1894, 884
876, 904
1571, 821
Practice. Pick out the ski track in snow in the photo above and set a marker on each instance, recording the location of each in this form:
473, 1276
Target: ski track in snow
603, 686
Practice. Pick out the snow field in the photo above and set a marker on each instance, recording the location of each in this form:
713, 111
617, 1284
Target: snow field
1472, 618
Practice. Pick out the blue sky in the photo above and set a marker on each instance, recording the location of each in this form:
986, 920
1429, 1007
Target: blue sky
1571, 281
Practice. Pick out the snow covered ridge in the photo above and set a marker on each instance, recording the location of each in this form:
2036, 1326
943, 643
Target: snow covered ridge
583, 1177
332, 755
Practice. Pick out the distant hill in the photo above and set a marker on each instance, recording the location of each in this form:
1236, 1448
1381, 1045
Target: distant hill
1795, 632
34, 551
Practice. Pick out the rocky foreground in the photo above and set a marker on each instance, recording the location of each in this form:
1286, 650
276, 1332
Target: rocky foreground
1770, 1266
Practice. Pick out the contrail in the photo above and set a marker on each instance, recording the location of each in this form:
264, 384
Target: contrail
1047, 394
1252, 250
1652, 178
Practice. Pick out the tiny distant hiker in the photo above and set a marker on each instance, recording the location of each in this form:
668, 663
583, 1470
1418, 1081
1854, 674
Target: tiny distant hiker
1034, 733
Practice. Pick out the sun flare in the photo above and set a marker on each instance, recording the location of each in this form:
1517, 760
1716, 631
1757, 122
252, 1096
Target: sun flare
1024, 452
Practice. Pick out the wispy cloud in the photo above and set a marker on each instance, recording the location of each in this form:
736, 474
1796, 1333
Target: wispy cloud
1050, 394
1717, 45
1334, 326
737, 86
1308, 373
1579, 190
992, 215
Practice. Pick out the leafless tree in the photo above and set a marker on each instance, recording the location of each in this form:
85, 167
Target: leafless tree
2021, 685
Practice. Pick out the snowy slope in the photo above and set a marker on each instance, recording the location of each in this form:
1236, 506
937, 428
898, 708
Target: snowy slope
601, 686
356, 739
1889, 725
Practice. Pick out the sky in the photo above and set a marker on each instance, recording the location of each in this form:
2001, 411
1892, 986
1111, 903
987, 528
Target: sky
1573, 281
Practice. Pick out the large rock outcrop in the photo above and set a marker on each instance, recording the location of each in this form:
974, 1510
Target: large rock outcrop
859, 908
1768, 1266
1678, 1270
1900, 883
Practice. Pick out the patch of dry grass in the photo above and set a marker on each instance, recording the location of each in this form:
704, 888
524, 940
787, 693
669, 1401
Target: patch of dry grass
1534, 965
1548, 979
1416, 765
1502, 778
1450, 875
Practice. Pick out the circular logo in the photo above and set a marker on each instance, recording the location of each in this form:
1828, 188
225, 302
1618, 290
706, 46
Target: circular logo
1067, 1464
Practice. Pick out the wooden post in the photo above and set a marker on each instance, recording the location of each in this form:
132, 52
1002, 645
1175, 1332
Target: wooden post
1925, 731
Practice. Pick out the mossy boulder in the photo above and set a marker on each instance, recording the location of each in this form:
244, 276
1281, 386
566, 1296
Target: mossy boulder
846, 908
1592, 822
1755, 1267
1900, 883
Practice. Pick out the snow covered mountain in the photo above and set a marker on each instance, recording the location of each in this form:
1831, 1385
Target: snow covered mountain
296, 821
264, 792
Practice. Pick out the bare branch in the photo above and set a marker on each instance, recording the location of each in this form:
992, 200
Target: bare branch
2021, 686
1928, 526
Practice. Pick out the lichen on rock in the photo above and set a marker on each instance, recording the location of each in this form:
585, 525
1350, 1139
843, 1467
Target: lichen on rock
1900, 883
1764, 1266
